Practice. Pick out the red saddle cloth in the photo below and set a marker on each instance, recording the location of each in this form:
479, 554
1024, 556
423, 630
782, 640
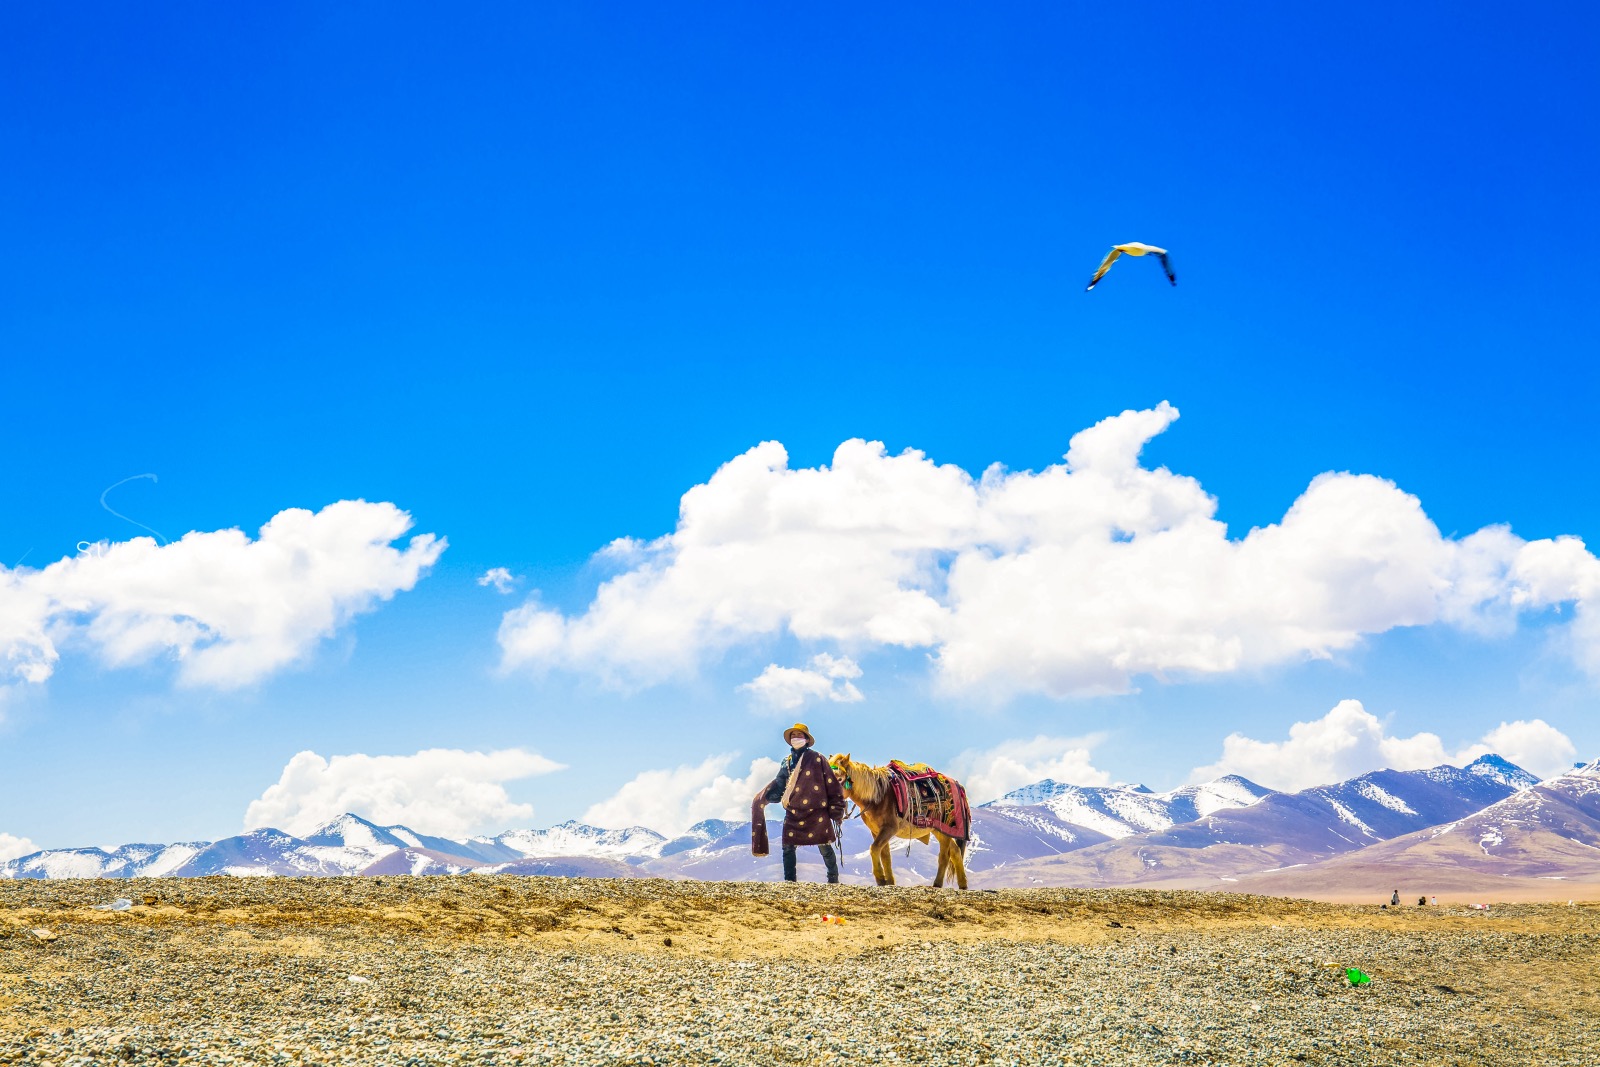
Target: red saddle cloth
930, 800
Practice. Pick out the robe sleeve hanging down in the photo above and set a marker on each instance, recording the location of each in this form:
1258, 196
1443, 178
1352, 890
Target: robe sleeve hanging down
758, 828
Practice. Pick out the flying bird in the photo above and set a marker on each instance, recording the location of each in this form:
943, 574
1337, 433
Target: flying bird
1132, 248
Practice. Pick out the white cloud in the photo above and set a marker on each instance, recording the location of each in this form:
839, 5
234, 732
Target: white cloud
1073, 580
230, 610
991, 773
12, 846
499, 577
440, 791
1533, 745
1349, 740
671, 801
787, 688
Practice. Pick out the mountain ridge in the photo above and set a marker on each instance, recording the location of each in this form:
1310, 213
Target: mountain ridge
1045, 833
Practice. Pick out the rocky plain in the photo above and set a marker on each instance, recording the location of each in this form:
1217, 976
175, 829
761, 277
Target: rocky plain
476, 969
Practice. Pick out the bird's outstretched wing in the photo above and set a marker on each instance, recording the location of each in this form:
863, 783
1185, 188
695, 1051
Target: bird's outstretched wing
1166, 266
1105, 265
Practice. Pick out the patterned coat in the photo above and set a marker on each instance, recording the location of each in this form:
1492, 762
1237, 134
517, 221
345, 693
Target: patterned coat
811, 796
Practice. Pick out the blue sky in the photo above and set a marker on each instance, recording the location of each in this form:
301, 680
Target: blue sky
529, 275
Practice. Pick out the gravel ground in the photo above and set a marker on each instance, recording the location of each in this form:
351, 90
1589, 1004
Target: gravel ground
574, 971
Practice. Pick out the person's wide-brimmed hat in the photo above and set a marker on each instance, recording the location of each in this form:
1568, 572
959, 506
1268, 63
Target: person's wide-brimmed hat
798, 728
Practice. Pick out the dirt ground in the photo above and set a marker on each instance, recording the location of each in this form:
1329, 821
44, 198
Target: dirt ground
74, 979
732, 921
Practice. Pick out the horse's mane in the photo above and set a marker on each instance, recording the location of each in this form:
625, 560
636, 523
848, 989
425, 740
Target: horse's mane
878, 776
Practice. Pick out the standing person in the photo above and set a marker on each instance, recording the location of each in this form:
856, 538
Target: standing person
812, 802
1395, 900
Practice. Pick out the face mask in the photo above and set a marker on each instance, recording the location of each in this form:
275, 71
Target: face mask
797, 742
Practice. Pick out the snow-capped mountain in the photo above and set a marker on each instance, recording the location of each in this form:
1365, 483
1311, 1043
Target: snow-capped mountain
1192, 802
1540, 838
269, 852
701, 833
1110, 811
1281, 829
1385, 804
348, 844
1522, 829
1497, 769
1122, 811
352, 831
573, 838
125, 861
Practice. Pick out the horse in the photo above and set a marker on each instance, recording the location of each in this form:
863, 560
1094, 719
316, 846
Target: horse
870, 788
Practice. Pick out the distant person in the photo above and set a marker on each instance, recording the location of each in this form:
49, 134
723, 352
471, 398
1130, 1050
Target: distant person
1395, 900
1422, 902
812, 802
1435, 901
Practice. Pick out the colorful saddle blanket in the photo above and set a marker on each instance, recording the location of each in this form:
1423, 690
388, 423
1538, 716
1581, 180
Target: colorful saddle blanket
930, 800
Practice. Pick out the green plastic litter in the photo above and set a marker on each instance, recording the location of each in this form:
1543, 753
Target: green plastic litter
1357, 976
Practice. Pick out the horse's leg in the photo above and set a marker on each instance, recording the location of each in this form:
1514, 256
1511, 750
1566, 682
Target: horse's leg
880, 863
873, 854
872, 846
944, 860
958, 855
880, 853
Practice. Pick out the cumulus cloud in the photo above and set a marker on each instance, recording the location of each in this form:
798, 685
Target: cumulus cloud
499, 577
1349, 740
1534, 745
991, 773
671, 801
229, 610
787, 688
441, 791
12, 846
1072, 580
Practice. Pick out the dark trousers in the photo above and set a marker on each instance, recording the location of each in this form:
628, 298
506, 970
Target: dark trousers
829, 860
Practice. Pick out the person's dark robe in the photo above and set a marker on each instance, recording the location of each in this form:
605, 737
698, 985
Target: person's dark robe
815, 801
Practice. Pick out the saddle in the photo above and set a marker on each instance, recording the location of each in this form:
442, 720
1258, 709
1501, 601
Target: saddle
929, 800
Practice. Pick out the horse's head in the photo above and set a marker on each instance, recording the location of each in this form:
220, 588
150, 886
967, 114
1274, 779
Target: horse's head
841, 769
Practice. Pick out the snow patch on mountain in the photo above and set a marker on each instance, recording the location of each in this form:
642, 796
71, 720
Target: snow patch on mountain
1382, 796
1346, 815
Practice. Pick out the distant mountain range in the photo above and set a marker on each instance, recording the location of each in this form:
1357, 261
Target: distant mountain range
1284, 829
352, 845
1538, 842
1488, 820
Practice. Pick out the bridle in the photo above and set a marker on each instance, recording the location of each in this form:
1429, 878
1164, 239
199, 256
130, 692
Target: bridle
848, 783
